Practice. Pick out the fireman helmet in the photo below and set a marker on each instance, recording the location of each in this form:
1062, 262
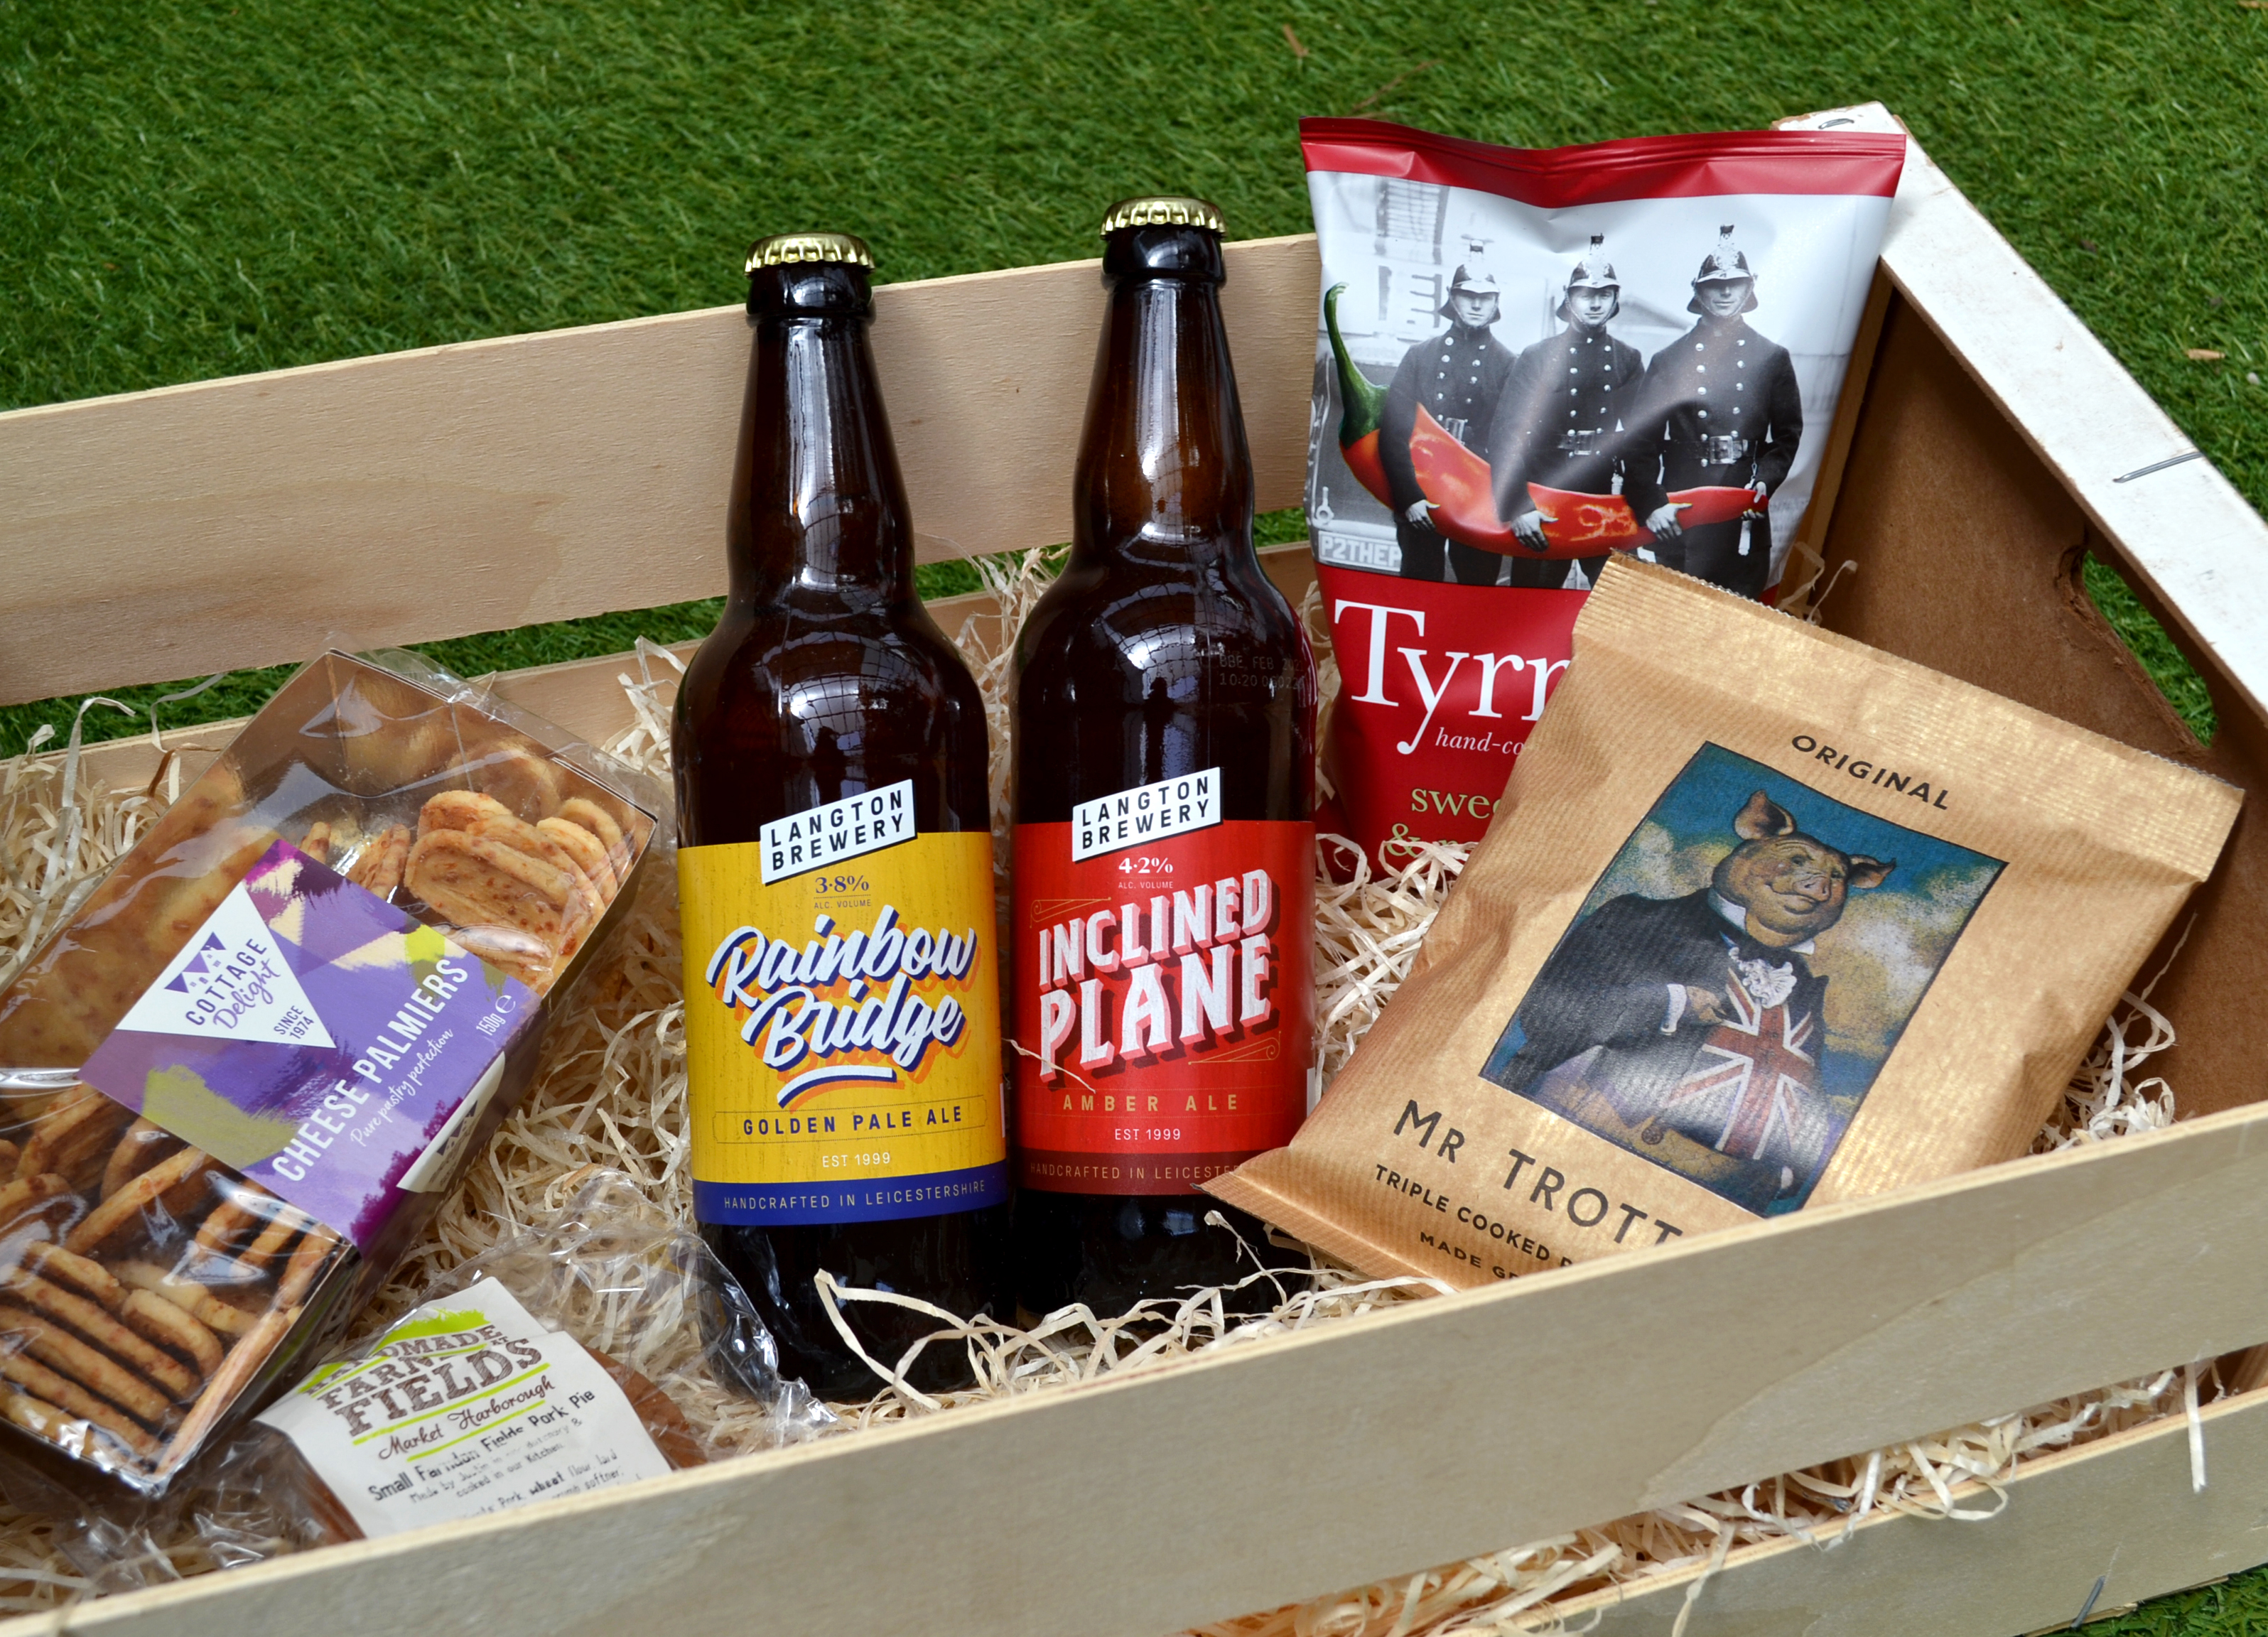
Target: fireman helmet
1593, 272
1727, 264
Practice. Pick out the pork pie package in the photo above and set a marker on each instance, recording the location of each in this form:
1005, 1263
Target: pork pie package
1765, 918
1529, 361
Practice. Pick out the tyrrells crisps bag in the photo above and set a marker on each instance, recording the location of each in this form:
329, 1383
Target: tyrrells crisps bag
1528, 361
1765, 918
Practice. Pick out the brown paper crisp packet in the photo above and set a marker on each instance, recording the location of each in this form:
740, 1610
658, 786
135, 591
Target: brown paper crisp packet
1766, 919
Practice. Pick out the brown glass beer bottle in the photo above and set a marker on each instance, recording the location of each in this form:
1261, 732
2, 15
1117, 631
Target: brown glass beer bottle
1164, 906
836, 867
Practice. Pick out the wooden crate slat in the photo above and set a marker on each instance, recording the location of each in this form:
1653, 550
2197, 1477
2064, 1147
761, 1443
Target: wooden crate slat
497, 483
1452, 1428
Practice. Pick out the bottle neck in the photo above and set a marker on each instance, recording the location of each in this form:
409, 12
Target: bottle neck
1164, 475
818, 509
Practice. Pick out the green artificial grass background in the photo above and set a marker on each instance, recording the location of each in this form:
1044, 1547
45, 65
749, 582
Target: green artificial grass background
195, 190
192, 191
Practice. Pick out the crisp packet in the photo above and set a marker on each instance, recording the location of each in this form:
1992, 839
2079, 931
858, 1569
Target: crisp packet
242, 1078
1767, 919
1529, 361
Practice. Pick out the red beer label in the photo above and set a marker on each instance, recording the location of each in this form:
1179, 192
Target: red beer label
1164, 1006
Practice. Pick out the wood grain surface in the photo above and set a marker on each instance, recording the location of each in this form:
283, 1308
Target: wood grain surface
497, 483
1381, 1446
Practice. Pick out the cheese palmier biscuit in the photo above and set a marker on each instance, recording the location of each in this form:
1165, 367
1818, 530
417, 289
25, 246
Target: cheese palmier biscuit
60, 1392
457, 809
316, 844
532, 839
527, 957
487, 819
145, 1144
588, 852
89, 1277
186, 1294
168, 1180
235, 1374
75, 991
97, 1326
54, 1345
601, 823
471, 882
158, 1320
526, 783
45, 1421
378, 868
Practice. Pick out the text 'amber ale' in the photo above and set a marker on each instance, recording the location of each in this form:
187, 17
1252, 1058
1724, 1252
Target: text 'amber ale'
1164, 903
841, 981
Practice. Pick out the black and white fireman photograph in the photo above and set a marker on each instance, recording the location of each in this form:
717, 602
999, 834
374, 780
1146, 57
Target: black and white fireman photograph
1619, 356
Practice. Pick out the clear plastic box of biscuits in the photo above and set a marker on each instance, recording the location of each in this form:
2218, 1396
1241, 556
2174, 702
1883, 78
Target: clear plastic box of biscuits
237, 1082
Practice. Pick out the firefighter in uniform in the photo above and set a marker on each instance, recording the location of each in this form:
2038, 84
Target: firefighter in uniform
1721, 410
1457, 376
1559, 422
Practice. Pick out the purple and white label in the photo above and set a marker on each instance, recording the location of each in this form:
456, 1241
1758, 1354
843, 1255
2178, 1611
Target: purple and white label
318, 1041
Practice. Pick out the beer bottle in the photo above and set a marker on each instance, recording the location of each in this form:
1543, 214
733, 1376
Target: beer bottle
842, 983
1164, 721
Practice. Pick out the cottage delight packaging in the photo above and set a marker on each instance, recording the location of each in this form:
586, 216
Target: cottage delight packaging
1765, 918
237, 1082
1527, 362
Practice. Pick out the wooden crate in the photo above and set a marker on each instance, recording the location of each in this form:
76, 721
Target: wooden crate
1991, 444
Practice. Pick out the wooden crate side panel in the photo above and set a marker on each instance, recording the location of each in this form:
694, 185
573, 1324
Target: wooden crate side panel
1961, 544
498, 483
2122, 1511
1447, 1428
1944, 495
2184, 529
585, 696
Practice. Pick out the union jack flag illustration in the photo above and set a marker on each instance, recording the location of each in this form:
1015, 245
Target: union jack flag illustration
1752, 1091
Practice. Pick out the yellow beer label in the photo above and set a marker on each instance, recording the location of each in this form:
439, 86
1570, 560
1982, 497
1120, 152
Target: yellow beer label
842, 1034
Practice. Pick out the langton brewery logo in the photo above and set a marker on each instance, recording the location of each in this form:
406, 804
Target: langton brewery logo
1181, 972
836, 830
1144, 815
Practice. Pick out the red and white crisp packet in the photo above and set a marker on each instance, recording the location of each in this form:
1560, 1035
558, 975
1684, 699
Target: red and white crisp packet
1528, 360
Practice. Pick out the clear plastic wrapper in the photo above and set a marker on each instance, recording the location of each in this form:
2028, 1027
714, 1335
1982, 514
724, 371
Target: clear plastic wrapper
608, 1285
237, 1082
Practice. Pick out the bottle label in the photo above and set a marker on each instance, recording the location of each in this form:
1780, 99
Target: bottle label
843, 1034
1165, 1003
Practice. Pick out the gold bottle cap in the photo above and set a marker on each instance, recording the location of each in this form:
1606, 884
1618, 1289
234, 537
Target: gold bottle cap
1162, 210
776, 248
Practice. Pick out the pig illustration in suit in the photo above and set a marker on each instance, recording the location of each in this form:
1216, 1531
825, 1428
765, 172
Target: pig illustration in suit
1699, 1015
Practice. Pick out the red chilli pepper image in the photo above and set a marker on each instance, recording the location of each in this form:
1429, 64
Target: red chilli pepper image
1599, 523
1458, 482
1362, 401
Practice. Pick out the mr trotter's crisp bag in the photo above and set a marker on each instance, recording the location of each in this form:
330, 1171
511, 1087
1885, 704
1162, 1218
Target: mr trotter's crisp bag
1528, 361
1765, 918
